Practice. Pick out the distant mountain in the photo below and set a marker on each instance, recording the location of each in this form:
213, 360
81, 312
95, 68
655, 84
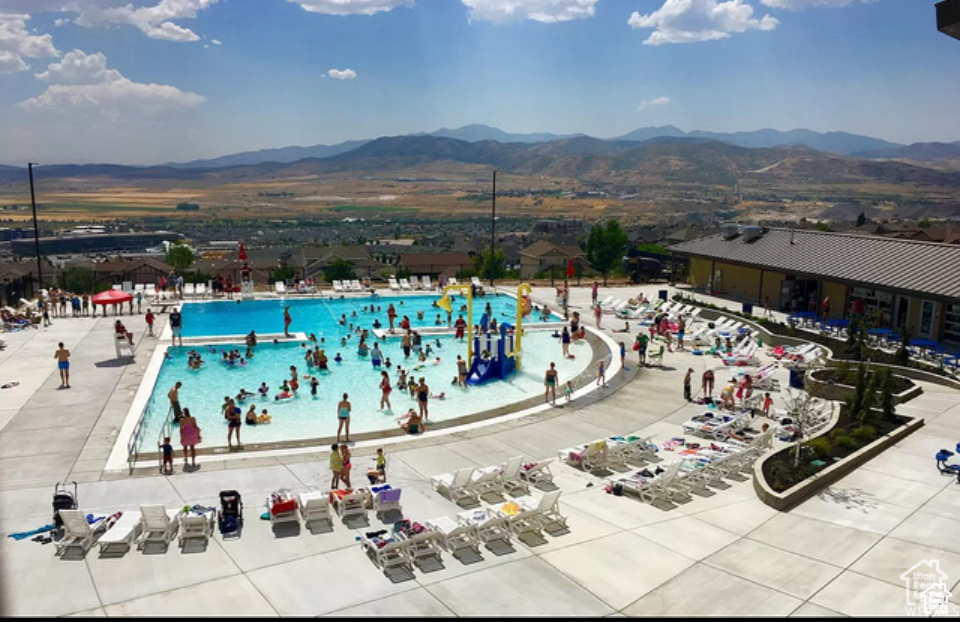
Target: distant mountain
833, 142
920, 152
282, 155
477, 132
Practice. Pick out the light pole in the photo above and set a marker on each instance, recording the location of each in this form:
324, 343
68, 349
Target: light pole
36, 229
493, 224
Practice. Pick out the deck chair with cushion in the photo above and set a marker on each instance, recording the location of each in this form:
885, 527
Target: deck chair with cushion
455, 536
160, 525
350, 503
386, 552
456, 486
197, 524
282, 506
315, 506
121, 537
77, 532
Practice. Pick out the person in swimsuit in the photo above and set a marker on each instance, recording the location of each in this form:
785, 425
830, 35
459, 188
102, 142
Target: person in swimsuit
286, 321
550, 382
63, 364
413, 423
345, 469
233, 425
189, 437
251, 418
336, 466
343, 417
461, 371
565, 343
376, 357
423, 394
385, 389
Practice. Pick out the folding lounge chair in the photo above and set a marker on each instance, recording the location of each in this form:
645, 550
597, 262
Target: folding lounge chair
337, 286
658, 490
589, 457
537, 472
353, 504
121, 537
386, 499
490, 526
189, 289
283, 508
356, 286
547, 510
386, 553
424, 544
201, 290
279, 288
486, 481
197, 525
315, 506
394, 285
160, 525
77, 532
415, 283
476, 281
456, 486
405, 285
511, 479
452, 281
425, 281
455, 536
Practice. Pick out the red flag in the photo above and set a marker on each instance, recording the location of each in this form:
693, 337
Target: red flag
570, 271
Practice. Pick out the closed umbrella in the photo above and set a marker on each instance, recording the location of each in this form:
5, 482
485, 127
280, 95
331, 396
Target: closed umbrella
570, 271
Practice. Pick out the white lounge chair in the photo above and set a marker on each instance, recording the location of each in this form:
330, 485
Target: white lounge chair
538, 473
425, 282
77, 532
548, 510
201, 290
353, 504
527, 515
394, 285
279, 288
424, 544
476, 281
337, 286
486, 481
197, 525
716, 424
160, 525
456, 486
356, 286
121, 537
189, 289
455, 536
315, 506
659, 490
283, 507
452, 281
510, 479
415, 283
392, 554
590, 457
490, 526
405, 285
386, 500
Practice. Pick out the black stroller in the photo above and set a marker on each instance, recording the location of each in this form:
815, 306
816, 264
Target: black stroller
230, 519
63, 499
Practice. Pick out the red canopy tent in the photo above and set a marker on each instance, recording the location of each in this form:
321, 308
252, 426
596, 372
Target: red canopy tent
111, 297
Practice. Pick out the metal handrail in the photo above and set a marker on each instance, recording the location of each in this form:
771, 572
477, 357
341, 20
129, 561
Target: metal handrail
136, 437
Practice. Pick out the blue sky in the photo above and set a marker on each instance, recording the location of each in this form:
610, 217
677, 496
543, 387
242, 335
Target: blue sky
172, 80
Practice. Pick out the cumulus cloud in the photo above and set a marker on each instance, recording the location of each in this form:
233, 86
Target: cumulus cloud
653, 103
216, 41
82, 82
16, 43
60, 22
351, 7
342, 74
691, 21
154, 21
799, 5
546, 11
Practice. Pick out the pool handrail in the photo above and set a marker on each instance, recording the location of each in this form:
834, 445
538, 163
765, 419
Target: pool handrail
136, 440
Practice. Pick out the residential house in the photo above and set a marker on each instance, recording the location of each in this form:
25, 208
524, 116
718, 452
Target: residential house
542, 255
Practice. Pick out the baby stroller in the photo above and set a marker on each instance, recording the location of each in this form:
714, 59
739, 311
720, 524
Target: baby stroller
948, 469
63, 499
230, 518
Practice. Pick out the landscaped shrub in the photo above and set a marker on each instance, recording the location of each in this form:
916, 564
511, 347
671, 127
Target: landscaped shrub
821, 447
864, 433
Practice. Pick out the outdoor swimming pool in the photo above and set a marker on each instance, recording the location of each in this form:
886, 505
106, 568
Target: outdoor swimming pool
306, 416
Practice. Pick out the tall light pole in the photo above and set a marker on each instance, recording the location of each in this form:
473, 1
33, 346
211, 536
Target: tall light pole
36, 229
493, 224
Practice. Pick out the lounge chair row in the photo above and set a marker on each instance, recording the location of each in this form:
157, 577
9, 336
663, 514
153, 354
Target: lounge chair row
618, 450
468, 485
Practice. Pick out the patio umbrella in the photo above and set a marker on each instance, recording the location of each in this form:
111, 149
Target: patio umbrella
111, 297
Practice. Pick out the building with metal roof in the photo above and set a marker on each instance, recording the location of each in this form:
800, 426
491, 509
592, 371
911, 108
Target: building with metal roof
900, 283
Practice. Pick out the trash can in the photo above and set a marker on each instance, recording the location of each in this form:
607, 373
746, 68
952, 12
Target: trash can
747, 308
662, 294
796, 378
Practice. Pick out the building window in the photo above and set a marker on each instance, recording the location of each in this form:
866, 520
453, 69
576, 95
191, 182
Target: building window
877, 305
951, 323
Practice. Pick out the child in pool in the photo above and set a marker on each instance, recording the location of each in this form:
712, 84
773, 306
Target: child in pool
264, 389
314, 383
264, 417
338, 358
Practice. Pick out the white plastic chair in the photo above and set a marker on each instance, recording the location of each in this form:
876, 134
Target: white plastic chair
315, 506
455, 536
456, 486
77, 532
197, 526
160, 525
120, 538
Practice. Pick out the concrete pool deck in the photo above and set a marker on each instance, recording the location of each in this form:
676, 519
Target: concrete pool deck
841, 552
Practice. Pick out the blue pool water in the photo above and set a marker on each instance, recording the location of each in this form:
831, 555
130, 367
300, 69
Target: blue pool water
306, 416
320, 316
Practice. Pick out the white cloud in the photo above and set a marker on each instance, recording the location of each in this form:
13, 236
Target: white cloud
799, 5
546, 11
653, 103
351, 7
342, 74
60, 22
691, 21
16, 43
216, 41
154, 21
82, 82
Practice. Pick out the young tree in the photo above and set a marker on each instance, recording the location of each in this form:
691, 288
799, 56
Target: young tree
338, 271
180, 257
491, 267
606, 245
79, 280
808, 414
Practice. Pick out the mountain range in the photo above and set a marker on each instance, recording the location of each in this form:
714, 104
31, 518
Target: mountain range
842, 143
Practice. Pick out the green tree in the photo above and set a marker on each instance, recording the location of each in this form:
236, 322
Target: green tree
488, 267
924, 224
79, 280
861, 219
180, 257
606, 245
281, 274
339, 270
887, 407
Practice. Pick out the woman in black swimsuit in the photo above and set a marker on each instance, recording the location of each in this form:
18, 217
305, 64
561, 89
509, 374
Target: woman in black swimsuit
423, 394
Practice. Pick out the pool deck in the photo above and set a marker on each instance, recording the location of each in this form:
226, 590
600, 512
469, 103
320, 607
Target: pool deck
841, 552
